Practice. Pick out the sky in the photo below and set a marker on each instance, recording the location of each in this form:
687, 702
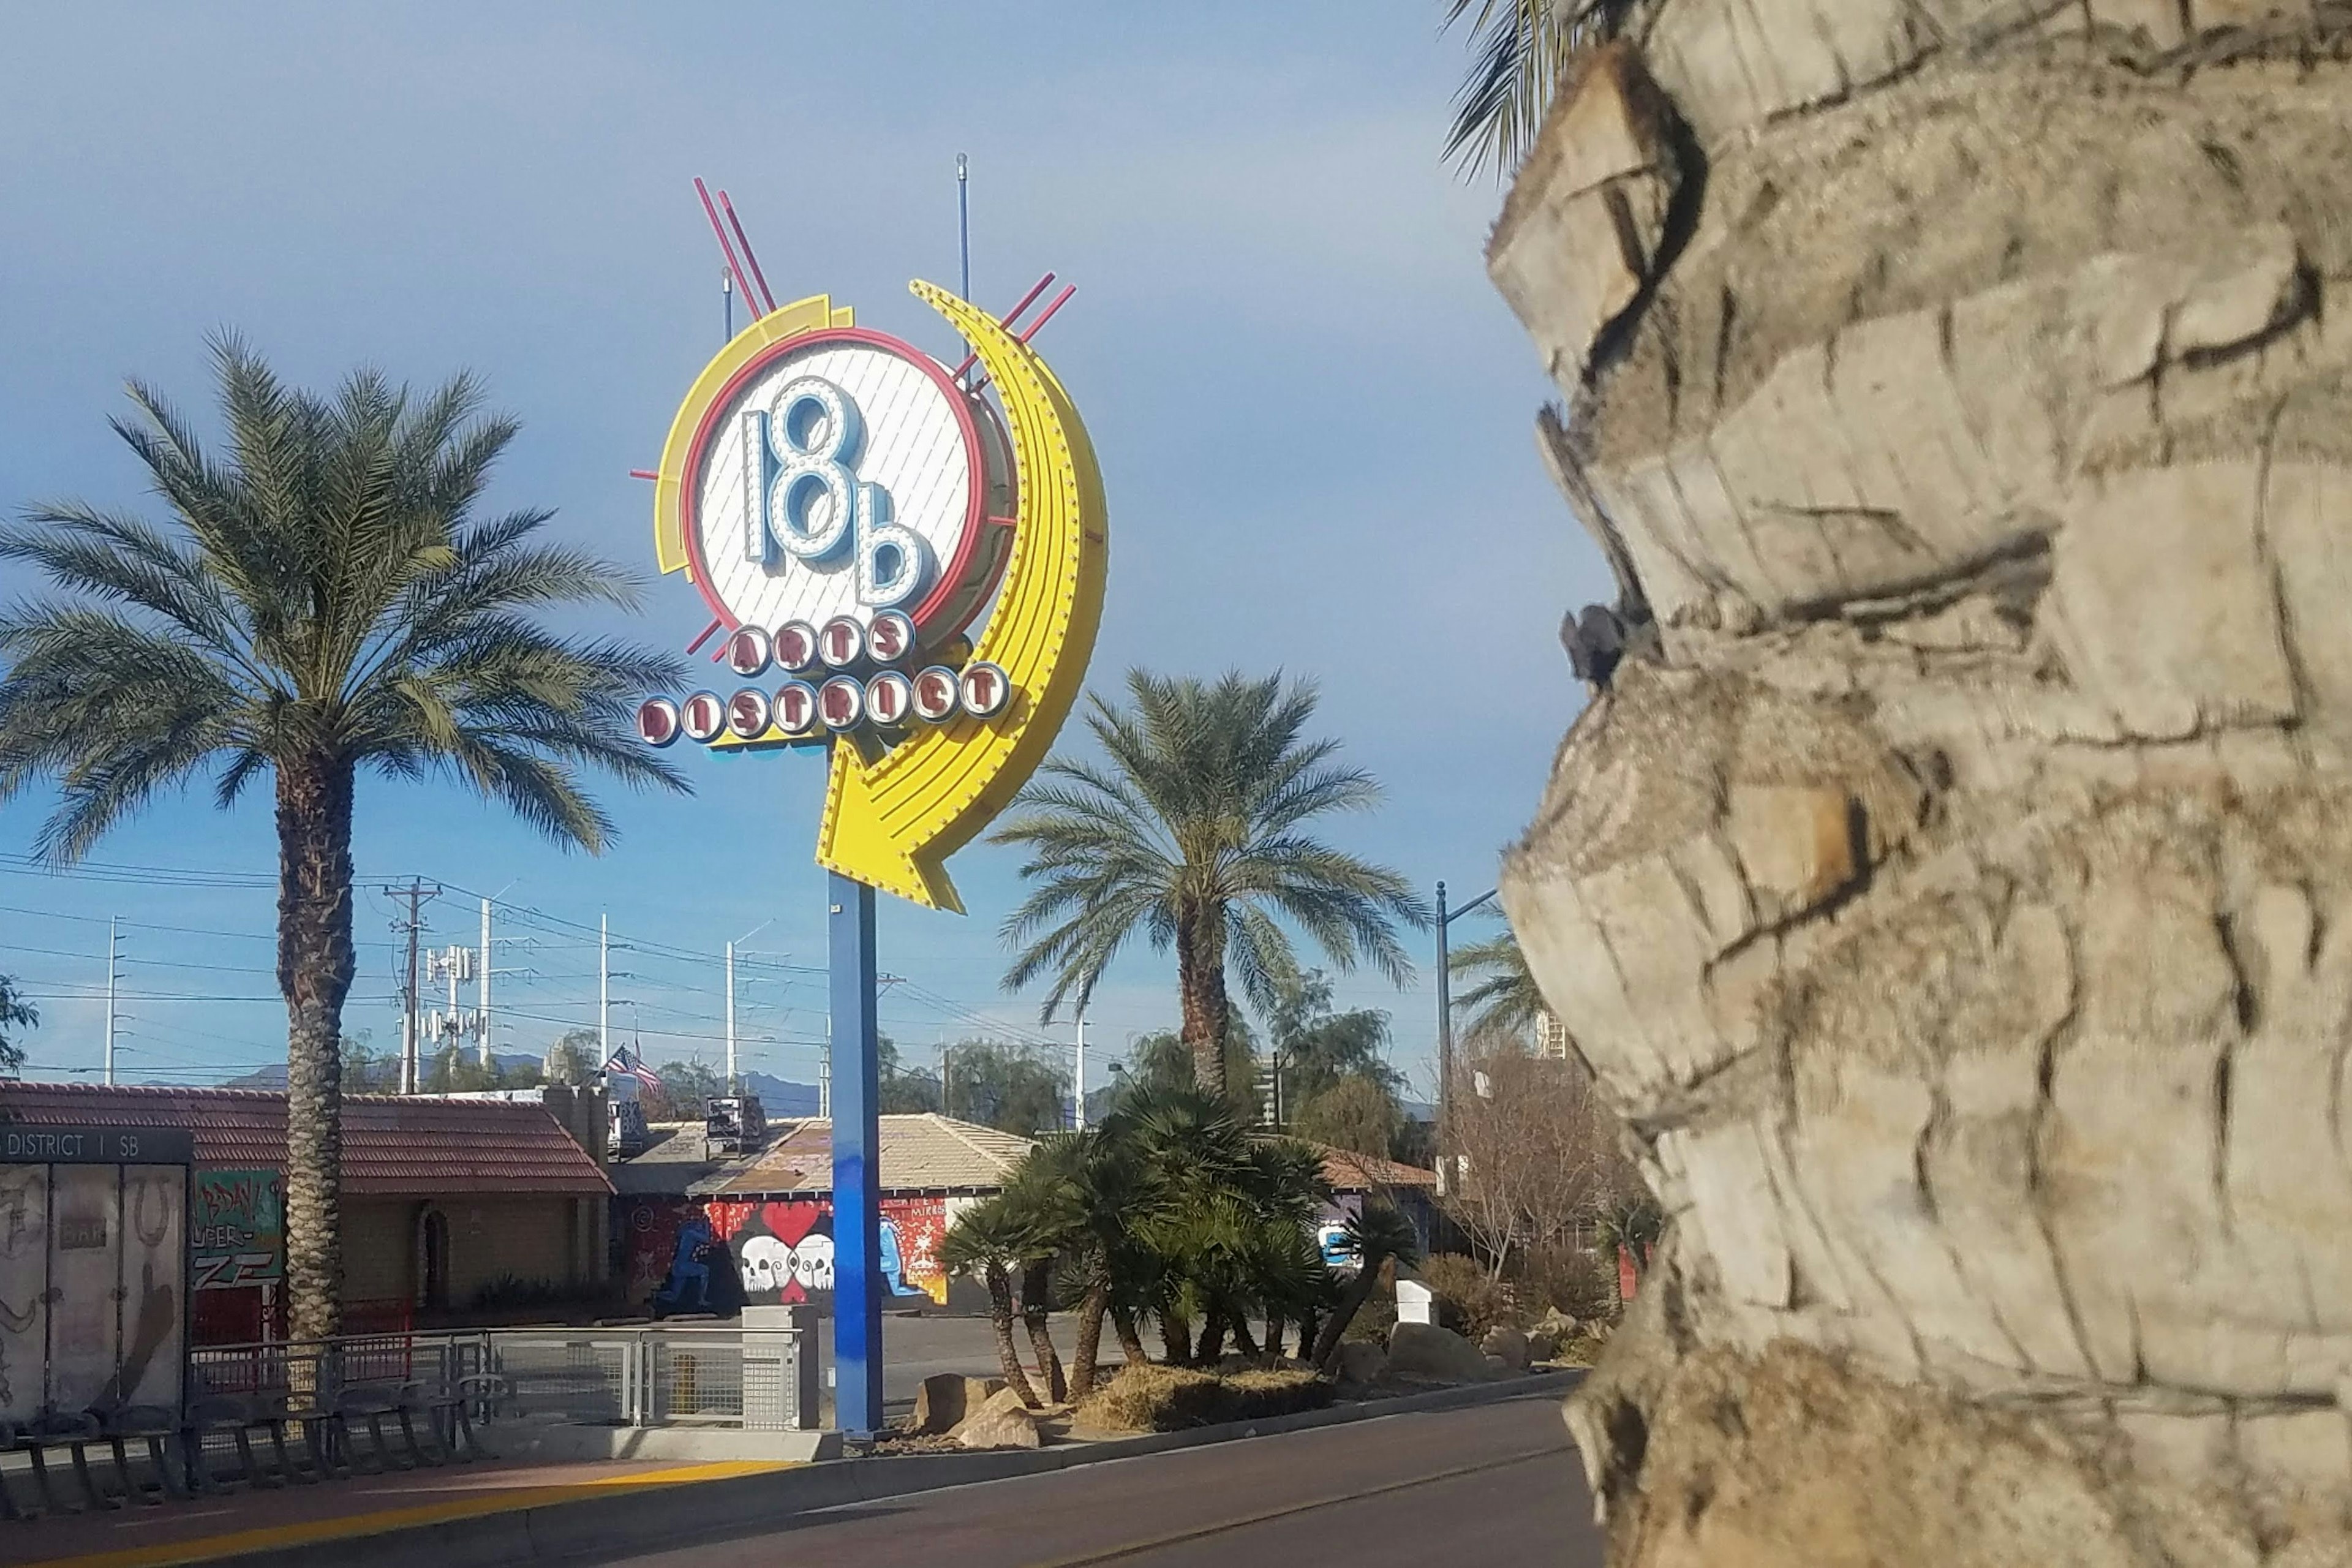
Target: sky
1313, 412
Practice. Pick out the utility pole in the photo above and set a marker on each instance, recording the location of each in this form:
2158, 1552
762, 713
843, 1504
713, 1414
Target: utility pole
112, 947
1445, 1021
486, 983
1081, 1080
730, 1017
603, 988
415, 895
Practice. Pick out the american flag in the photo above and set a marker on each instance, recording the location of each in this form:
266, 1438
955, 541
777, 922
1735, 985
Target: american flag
619, 1062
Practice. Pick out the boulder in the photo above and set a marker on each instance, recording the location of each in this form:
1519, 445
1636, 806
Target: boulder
946, 1398
1508, 1344
1426, 1350
1362, 1362
1002, 1422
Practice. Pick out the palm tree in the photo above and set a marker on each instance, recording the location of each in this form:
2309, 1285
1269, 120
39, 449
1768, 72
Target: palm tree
325, 598
1503, 1002
1084, 1196
1522, 46
1191, 834
990, 1240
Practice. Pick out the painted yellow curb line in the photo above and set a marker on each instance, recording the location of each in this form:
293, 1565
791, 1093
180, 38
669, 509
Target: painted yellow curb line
209, 1548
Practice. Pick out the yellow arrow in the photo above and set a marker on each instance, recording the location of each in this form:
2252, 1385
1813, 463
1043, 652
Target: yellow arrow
892, 823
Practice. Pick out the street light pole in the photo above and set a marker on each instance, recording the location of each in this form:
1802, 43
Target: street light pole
1445, 1017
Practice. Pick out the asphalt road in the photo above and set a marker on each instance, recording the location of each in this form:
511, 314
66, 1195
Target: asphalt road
1493, 1484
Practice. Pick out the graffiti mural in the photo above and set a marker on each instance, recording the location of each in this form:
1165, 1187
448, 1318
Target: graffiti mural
719, 1254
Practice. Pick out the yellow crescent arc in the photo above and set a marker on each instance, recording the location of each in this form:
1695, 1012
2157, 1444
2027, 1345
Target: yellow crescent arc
892, 823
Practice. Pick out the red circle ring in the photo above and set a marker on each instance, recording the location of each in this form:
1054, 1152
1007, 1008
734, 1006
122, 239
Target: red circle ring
690, 499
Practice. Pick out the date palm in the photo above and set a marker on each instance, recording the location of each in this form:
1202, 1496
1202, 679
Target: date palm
326, 598
1191, 833
1503, 1001
1522, 46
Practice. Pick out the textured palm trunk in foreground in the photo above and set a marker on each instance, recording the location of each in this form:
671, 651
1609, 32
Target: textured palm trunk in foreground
314, 972
1958, 907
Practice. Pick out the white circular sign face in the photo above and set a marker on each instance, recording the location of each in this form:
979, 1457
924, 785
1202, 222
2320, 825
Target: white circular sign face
936, 694
838, 479
888, 697
840, 702
796, 708
657, 722
747, 651
747, 714
704, 716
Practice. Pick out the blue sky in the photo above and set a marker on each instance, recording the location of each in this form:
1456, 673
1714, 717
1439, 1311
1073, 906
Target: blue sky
1313, 415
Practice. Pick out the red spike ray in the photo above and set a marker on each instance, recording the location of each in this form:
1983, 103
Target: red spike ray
1009, 317
733, 266
1029, 332
766, 299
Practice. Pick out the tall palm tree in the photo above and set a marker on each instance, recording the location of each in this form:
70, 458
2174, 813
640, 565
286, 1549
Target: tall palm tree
1191, 833
326, 598
1503, 1002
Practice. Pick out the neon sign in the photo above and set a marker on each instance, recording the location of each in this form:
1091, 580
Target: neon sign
851, 509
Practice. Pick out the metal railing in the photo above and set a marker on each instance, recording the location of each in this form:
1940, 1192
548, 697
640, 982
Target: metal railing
758, 1378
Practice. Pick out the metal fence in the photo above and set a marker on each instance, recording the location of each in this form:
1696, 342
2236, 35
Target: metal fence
758, 1379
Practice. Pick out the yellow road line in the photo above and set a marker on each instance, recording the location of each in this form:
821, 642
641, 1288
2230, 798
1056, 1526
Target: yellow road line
312, 1532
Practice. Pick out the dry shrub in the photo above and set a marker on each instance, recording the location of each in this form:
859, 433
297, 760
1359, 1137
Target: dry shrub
1170, 1398
1578, 1281
1469, 1302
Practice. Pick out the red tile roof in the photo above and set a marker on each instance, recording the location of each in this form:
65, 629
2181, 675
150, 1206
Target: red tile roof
393, 1147
1349, 1172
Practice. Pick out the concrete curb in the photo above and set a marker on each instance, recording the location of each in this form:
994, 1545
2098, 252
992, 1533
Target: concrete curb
740, 1505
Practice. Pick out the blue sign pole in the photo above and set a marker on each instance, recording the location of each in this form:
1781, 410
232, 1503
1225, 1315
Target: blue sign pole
857, 1162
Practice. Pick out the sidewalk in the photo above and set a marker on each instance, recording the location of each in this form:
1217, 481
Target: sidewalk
297, 1516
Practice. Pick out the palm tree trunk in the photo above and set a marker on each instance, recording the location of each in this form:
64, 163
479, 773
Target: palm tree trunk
1274, 1335
1036, 1292
1000, 1312
1211, 1348
1201, 984
314, 974
1883, 1274
1090, 1345
1130, 1343
1359, 1291
1243, 1343
1176, 1339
